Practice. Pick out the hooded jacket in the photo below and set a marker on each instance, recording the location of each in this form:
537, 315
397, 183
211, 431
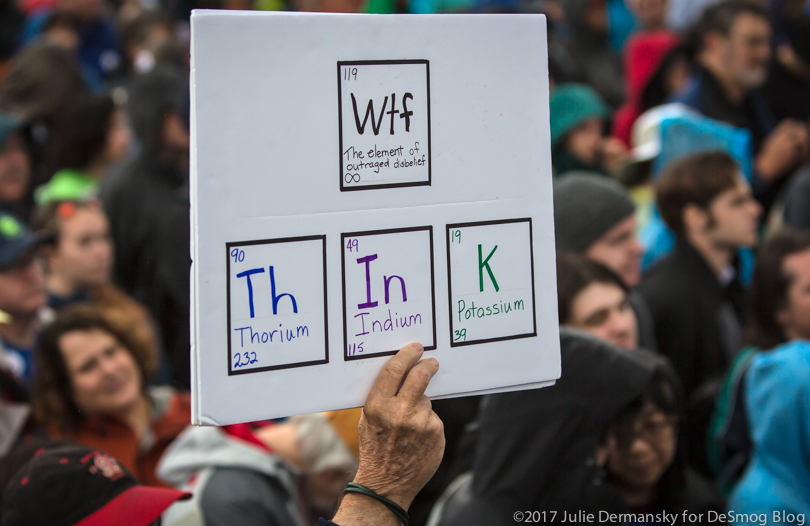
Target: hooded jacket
235, 481
777, 402
536, 448
644, 54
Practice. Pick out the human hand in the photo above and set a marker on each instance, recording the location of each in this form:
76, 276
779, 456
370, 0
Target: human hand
614, 155
401, 438
785, 147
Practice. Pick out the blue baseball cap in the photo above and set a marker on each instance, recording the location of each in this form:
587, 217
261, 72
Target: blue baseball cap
16, 240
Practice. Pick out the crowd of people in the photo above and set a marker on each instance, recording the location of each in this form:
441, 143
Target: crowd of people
680, 152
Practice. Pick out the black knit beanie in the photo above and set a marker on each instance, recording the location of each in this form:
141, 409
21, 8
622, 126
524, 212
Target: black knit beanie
586, 206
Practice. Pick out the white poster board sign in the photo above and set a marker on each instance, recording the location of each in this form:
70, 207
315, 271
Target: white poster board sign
360, 182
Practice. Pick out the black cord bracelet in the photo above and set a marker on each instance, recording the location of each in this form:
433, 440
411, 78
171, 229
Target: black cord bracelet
395, 508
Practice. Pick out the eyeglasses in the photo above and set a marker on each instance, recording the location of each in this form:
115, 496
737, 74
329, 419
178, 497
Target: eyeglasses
653, 430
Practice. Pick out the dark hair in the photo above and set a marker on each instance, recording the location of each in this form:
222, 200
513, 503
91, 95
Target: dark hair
52, 400
697, 180
40, 79
137, 30
80, 133
721, 17
575, 273
770, 286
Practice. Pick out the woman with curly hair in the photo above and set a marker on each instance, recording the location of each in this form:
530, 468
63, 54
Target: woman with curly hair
90, 388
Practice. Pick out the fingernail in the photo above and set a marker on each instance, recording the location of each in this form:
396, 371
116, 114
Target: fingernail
417, 347
434, 361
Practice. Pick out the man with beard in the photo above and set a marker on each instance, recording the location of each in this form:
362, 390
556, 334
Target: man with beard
733, 56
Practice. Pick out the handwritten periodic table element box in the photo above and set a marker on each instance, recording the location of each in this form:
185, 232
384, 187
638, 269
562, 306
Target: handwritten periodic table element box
385, 293
384, 139
491, 281
320, 141
269, 327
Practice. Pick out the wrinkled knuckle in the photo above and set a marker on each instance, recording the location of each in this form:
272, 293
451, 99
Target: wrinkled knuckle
421, 375
373, 408
395, 367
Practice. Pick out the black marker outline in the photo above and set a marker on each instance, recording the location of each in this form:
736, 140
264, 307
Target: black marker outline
450, 282
234, 244
343, 238
340, 63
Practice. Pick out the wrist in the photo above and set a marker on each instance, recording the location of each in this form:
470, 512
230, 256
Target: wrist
360, 510
387, 490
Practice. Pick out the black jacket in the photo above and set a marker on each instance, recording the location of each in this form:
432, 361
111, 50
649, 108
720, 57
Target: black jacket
147, 202
148, 209
691, 313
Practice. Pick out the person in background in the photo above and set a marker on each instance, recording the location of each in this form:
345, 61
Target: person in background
22, 295
147, 204
15, 167
78, 266
142, 38
777, 403
38, 83
90, 387
592, 298
99, 49
580, 446
644, 460
585, 54
694, 293
400, 443
655, 67
67, 485
578, 120
732, 58
595, 217
89, 136
258, 475
780, 312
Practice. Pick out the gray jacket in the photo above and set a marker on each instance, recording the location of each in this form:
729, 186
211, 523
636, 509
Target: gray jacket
234, 482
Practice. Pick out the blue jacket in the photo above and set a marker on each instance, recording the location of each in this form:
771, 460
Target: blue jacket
777, 401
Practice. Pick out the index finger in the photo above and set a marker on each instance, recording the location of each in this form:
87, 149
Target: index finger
390, 378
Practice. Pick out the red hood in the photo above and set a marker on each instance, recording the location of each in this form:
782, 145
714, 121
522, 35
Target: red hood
643, 56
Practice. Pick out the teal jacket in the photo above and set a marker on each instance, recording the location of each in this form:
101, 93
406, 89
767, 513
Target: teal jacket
777, 401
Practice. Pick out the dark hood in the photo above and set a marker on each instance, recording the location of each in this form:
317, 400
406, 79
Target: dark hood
536, 445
